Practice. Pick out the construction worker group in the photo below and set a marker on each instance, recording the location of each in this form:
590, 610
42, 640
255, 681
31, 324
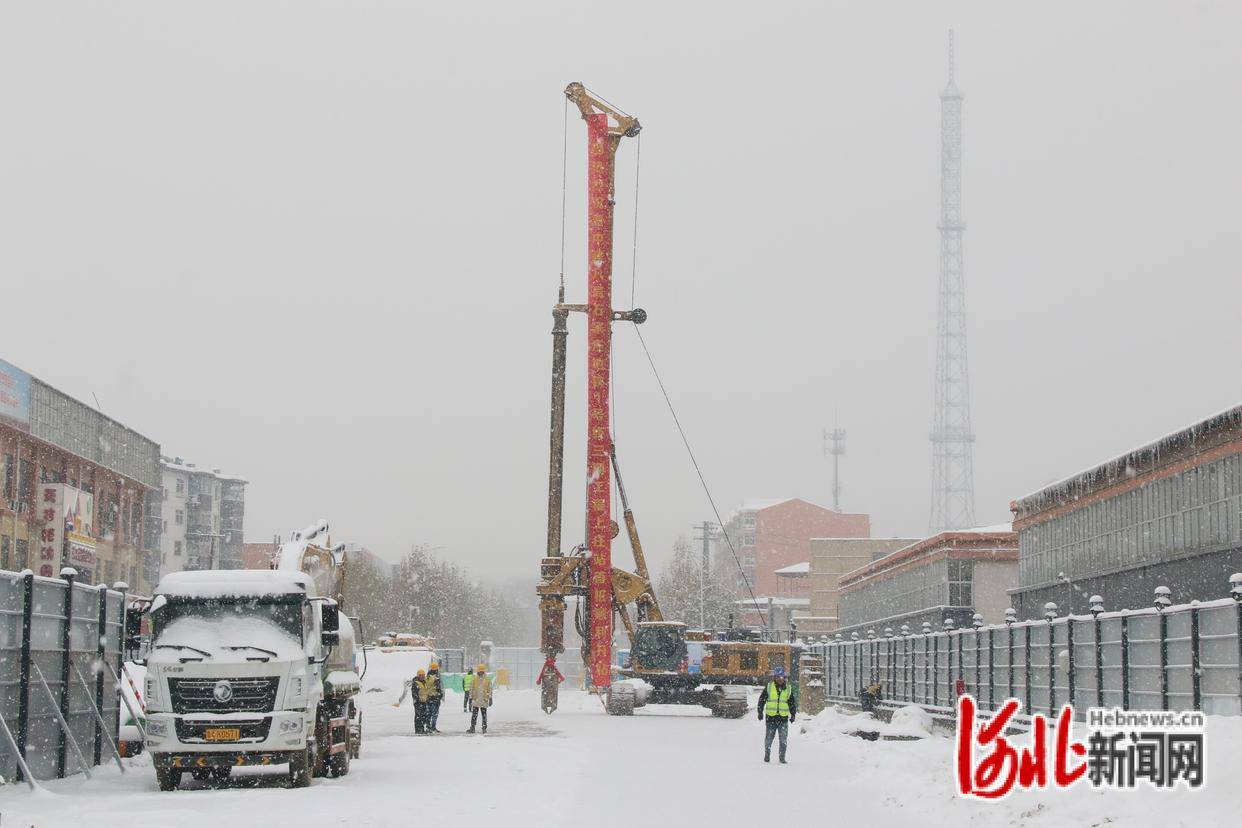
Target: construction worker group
427, 691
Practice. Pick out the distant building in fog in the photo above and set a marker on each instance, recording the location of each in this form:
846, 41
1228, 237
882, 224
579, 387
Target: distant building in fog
772, 534
202, 517
950, 575
830, 559
1165, 514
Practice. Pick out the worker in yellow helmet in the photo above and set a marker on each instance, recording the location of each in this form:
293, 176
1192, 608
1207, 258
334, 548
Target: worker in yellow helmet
480, 696
417, 689
778, 704
435, 694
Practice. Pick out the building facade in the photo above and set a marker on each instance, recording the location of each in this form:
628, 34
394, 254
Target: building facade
830, 559
74, 487
952, 575
769, 535
1165, 514
202, 514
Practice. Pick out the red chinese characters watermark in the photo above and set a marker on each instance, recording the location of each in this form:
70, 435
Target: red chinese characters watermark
989, 767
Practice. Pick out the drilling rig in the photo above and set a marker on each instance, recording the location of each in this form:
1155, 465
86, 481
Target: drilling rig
659, 649
588, 571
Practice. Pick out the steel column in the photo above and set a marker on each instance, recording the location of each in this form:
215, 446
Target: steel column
23, 687
65, 696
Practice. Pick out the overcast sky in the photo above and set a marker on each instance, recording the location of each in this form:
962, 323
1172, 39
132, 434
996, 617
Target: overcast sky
316, 244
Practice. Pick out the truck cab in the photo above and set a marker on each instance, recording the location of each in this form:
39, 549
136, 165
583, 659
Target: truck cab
247, 667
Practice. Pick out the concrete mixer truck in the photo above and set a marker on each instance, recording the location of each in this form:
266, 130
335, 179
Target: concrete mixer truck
254, 667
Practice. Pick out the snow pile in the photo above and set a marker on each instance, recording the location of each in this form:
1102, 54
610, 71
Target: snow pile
910, 722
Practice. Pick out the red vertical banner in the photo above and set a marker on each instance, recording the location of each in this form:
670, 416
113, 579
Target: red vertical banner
599, 344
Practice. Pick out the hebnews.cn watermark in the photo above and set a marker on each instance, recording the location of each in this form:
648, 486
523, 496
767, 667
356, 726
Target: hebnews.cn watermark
1124, 750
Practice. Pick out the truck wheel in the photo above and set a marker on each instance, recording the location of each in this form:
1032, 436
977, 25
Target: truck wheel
323, 736
169, 779
338, 763
301, 764
355, 738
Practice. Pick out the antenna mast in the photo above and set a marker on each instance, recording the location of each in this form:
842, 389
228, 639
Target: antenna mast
953, 488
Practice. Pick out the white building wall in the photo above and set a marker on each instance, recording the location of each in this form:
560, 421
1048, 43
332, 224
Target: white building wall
173, 546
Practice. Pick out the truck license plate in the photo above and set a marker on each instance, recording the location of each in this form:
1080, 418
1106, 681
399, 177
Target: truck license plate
222, 734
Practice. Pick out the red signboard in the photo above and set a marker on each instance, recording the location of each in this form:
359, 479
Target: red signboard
599, 433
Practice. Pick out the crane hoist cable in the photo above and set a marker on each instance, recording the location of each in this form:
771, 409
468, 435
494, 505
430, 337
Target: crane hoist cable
667, 400
699, 471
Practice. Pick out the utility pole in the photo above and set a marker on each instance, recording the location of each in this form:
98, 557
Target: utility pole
834, 445
953, 488
708, 530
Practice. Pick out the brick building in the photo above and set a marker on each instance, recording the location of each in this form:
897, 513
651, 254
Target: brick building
773, 534
950, 575
1168, 513
74, 487
258, 555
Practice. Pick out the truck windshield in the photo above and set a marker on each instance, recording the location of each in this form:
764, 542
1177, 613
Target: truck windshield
658, 648
283, 613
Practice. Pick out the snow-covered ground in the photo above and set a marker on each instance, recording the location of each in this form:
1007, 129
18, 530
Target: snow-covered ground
663, 766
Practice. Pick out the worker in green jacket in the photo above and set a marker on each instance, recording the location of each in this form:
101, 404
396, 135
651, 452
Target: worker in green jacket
467, 681
778, 705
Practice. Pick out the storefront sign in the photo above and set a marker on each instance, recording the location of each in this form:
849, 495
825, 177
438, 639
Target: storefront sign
14, 396
67, 514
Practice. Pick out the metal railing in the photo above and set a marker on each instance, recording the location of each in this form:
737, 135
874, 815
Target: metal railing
1186, 657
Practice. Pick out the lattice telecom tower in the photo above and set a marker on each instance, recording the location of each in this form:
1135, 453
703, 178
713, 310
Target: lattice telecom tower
953, 487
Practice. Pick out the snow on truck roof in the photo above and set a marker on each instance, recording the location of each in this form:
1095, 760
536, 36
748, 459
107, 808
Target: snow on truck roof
233, 583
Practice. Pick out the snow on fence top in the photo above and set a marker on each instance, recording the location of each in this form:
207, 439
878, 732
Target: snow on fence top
233, 583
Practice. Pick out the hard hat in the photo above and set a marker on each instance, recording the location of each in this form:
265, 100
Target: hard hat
778, 672
482, 668
422, 672
435, 665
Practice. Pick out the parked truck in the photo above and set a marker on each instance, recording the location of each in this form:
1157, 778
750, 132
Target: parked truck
253, 667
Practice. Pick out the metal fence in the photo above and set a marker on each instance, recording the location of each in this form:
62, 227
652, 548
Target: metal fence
1186, 657
55, 639
451, 659
524, 663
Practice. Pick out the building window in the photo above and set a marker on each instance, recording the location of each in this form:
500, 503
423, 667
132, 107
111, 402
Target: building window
180, 486
748, 540
5, 563
748, 522
177, 548
179, 517
960, 576
8, 477
23, 560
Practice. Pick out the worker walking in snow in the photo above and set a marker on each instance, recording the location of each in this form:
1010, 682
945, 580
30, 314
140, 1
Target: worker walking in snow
466, 680
435, 694
480, 697
778, 704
